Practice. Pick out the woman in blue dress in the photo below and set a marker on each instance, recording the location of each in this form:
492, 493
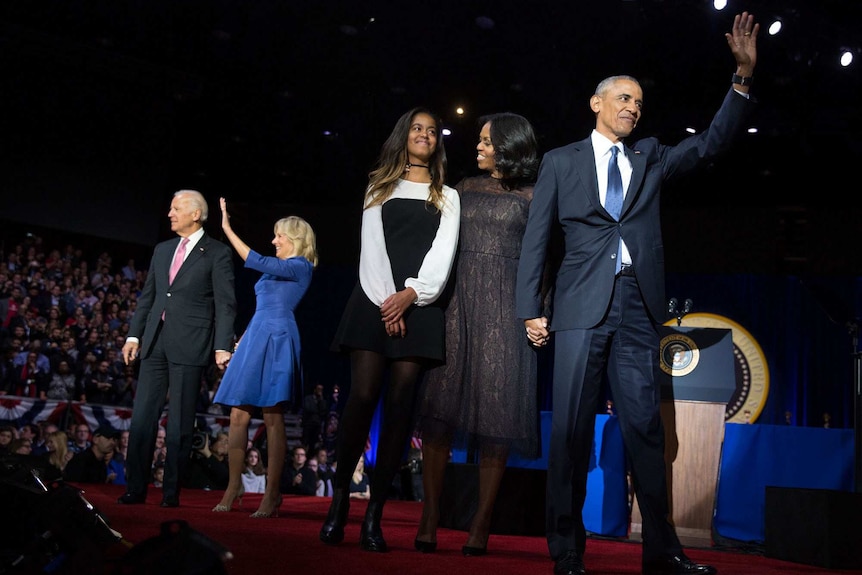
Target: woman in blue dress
265, 366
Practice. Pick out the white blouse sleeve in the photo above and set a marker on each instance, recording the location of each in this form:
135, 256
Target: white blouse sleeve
375, 270
437, 264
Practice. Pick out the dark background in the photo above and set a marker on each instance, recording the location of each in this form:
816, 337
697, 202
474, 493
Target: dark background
109, 107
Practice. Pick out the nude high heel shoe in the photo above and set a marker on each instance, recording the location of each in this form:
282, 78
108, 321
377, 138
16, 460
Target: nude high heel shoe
266, 515
222, 508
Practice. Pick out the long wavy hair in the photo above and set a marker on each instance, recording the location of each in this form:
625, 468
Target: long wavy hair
393, 158
257, 468
516, 152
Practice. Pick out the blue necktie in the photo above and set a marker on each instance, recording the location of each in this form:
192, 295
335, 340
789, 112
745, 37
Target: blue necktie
614, 198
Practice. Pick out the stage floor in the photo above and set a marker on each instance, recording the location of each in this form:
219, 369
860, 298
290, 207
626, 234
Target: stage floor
290, 544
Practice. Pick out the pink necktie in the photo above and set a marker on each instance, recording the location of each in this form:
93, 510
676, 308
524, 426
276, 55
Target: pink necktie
177, 264
178, 260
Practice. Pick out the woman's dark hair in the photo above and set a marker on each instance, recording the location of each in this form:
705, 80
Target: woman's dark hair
516, 153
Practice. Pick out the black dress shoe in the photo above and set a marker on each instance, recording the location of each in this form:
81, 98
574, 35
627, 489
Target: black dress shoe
372, 540
332, 531
425, 546
470, 551
331, 534
370, 534
170, 502
131, 499
570, 564
677, 565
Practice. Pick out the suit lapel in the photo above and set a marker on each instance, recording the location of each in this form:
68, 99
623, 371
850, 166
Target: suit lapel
585, 163
638, 162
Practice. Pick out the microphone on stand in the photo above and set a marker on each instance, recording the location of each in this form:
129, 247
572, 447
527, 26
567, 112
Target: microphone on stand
687, 306
671, 306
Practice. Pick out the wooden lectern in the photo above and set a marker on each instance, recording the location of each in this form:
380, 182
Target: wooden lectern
698, 380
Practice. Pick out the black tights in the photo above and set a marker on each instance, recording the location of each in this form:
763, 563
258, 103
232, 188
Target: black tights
366, 373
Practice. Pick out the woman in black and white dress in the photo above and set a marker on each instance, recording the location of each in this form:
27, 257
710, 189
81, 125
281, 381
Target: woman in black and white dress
392, 321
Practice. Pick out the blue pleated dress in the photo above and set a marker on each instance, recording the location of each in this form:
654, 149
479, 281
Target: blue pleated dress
266, 368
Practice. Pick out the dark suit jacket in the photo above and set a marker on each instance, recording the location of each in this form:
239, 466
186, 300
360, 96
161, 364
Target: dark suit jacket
567, 194
200, 306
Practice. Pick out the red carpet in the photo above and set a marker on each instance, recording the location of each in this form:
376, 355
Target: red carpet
289, 544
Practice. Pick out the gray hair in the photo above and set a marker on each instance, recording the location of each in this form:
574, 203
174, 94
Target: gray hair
197, 200
606, 84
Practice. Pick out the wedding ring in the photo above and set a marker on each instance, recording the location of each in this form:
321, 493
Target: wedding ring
747, 34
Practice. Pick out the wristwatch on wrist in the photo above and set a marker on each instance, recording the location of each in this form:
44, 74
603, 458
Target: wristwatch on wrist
741, 80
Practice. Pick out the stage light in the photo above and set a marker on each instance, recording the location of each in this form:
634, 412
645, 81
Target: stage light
48, 527
846, 57
176, 550
775, 27
719, 4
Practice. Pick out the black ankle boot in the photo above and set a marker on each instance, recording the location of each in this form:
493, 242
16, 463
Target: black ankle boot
332, 531
370, 534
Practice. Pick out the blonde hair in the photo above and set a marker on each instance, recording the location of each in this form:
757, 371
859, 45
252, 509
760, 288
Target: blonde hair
300, 233
57, 458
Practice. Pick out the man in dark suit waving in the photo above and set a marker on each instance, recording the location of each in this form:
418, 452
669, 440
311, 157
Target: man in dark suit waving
186, 312
609, 299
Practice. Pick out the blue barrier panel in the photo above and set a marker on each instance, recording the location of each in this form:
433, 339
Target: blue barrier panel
756, 456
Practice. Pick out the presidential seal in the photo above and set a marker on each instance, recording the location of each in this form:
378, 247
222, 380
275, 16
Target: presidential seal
679, 354
751, 370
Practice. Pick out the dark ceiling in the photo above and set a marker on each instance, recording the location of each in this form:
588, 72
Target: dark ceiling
141, 97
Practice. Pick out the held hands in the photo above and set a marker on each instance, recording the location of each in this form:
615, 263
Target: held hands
396, 328
742, 41
205, 450
537, 331
392, 311
222, 358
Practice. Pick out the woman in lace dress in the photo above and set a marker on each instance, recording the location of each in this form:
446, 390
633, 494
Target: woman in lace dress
484, 397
